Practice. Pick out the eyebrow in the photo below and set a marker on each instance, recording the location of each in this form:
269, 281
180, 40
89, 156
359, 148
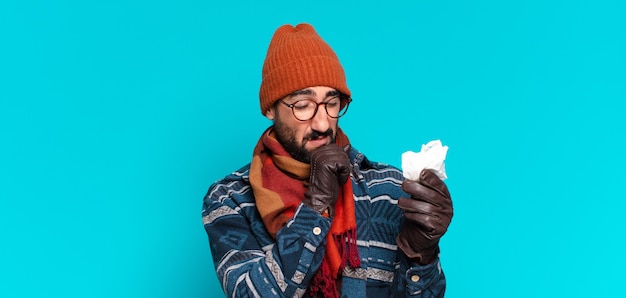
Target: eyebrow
311, 92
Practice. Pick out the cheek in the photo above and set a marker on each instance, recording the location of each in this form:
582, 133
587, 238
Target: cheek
300, 131
294, 130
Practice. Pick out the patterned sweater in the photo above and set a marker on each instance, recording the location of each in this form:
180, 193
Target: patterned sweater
250, 263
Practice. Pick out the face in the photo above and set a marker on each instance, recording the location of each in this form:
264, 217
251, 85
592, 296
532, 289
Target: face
300, 138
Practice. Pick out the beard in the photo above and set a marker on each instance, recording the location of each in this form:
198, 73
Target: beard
287, 138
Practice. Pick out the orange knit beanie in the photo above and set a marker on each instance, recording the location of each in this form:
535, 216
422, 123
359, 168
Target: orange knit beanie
298, 58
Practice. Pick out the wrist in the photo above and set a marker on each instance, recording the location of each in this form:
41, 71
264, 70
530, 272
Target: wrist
426, 258
421, 255
329, 212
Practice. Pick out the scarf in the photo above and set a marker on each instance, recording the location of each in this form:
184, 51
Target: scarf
279, 183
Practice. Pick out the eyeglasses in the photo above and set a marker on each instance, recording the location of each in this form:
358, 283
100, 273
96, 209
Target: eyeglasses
306, 109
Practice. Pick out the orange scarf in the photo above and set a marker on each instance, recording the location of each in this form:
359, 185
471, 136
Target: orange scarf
279, 182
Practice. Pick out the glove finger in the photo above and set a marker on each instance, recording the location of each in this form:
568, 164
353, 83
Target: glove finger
414, 208
327, 149
421, 192
340, 165
343, 175
331, 158
409, 205
331, 155
431, 218
431, 180
429, 225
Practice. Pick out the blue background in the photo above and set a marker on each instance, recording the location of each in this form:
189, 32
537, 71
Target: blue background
116, 116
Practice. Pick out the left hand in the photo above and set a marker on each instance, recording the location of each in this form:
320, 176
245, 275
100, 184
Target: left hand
427, 216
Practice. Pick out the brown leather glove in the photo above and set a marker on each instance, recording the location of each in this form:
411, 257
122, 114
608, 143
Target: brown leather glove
427, 216
330, 169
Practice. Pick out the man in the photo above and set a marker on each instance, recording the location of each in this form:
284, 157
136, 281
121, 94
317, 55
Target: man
310, 215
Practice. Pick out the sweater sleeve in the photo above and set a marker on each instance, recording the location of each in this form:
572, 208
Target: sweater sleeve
420, 281
246, 268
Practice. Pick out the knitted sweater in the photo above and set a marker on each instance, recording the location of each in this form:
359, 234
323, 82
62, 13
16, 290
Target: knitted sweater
250, 263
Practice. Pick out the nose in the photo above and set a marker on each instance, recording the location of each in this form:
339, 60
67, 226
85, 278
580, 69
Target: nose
321, 120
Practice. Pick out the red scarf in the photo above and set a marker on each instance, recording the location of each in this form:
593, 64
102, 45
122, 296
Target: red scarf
279, 182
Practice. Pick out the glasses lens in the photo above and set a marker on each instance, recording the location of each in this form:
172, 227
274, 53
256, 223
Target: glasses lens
339, 109
333, 107
343, 110
304, 109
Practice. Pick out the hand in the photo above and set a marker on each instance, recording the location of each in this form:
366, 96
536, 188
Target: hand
427, 216
330, 169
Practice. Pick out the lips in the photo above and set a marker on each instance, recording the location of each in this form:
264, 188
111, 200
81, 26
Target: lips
318, 142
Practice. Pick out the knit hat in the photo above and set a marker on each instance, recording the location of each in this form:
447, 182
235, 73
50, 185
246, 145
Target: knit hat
298, 58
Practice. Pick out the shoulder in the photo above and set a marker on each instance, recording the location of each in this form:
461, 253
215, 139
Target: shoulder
377, 170
373, 170
377, 176
234, 187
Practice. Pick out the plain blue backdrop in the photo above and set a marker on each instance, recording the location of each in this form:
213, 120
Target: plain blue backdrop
116, 116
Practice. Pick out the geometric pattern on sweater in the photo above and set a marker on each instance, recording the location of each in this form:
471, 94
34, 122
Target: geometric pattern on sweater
250, 263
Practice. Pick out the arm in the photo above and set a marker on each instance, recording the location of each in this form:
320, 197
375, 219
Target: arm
427, 215
244, 267
423, 281
382, 184
284, 267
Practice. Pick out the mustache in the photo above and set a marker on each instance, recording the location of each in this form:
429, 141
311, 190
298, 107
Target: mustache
316, 134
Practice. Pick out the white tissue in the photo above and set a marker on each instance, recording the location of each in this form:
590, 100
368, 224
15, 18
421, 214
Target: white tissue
431, 157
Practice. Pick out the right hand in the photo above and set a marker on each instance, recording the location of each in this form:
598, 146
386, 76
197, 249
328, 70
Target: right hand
330, 169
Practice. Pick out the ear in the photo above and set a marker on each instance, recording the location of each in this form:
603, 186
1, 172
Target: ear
270, 113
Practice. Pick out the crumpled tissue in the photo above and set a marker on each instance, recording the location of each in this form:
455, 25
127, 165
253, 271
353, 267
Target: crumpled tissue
431, 157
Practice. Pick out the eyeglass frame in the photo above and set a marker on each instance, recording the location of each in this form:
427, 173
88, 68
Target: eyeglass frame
324, 102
